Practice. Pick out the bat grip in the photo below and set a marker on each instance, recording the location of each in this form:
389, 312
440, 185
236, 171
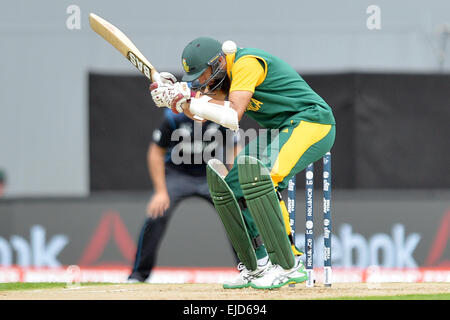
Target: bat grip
155, 76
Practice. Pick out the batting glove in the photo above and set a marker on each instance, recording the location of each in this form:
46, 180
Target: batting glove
167, 78
159, 94
171, 96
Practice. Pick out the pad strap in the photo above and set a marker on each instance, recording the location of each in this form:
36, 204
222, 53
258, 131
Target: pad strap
257, 242
242, 203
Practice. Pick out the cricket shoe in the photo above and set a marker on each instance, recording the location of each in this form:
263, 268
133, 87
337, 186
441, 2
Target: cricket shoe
245, 276
277, 277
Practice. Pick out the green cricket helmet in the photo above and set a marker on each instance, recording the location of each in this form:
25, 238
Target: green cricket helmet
197, 56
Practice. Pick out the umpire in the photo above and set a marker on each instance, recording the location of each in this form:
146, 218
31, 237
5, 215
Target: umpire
174, 181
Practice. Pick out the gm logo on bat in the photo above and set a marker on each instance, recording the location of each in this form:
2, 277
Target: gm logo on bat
142, 67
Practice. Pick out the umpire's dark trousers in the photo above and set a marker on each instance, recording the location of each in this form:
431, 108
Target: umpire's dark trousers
179, 186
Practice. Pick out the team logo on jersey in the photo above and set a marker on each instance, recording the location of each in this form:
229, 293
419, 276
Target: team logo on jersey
254, 105
185, 66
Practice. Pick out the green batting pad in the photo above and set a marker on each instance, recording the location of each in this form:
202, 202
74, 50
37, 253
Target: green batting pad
263, 203
230, 213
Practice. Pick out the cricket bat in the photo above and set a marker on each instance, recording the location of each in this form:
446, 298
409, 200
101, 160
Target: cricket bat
125, 46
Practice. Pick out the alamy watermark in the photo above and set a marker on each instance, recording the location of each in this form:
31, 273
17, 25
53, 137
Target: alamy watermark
73, 21
373, 21
72, 277
193, 146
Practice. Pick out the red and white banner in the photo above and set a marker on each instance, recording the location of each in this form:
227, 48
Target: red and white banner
72, 274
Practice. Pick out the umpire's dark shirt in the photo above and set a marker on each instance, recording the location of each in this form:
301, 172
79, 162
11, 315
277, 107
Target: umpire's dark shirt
191, 144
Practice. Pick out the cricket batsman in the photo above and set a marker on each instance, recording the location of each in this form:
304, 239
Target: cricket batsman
222, 82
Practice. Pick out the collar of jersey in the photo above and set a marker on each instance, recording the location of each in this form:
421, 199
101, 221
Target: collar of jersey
230, 62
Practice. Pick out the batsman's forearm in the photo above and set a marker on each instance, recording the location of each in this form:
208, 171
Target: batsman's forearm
239, 110
156, 167
219, 113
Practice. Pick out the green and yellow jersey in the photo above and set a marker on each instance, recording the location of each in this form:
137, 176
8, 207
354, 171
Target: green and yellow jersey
279, 93
281, 100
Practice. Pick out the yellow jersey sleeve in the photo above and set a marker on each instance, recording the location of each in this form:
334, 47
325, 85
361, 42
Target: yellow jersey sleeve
248, 73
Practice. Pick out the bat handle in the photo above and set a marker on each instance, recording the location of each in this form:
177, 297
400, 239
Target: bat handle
155, 76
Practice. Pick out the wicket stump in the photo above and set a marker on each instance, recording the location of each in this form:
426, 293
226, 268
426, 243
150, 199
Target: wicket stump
309, 224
